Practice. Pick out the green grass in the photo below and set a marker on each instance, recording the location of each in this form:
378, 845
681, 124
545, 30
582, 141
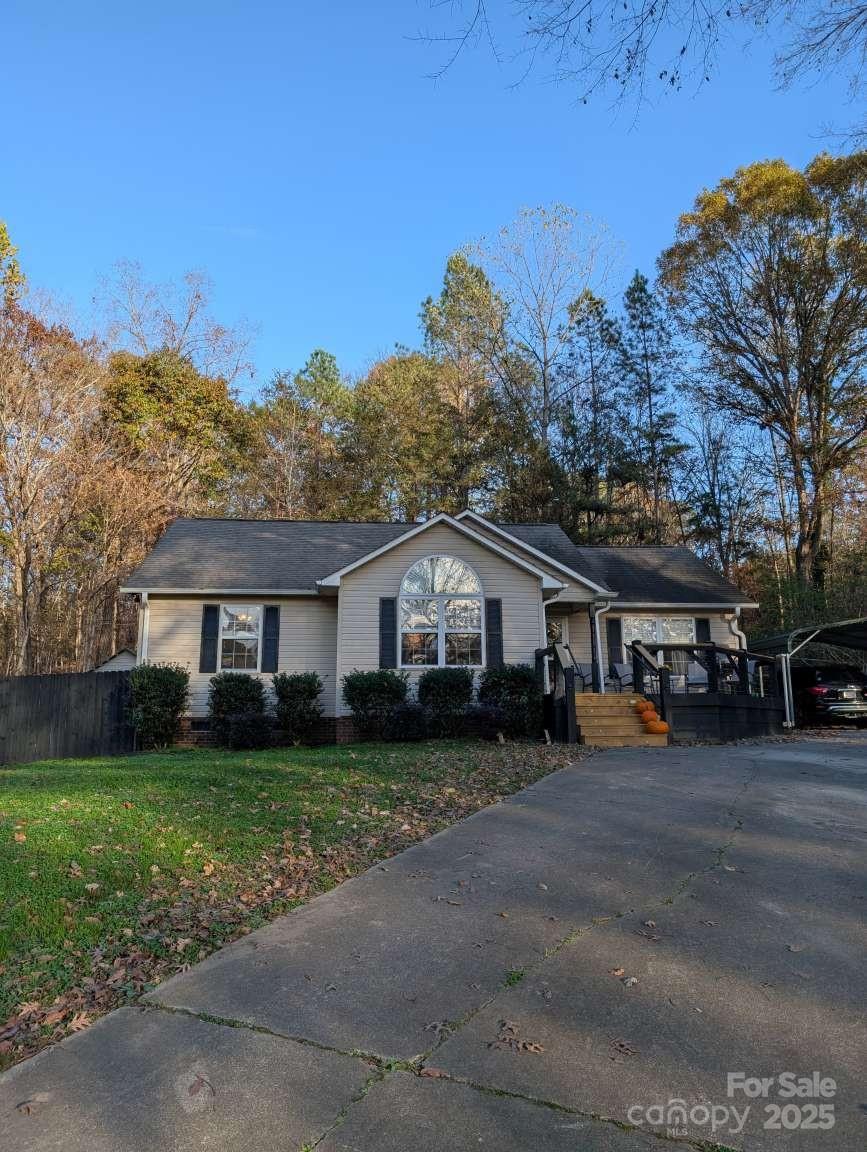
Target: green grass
114, 873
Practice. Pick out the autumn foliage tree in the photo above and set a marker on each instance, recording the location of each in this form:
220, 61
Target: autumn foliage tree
769, 276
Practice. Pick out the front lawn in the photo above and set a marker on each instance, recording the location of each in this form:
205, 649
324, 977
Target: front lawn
115, 873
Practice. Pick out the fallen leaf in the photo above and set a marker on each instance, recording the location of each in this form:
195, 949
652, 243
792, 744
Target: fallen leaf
433, 1073
19, 837
199, 1084
616, 971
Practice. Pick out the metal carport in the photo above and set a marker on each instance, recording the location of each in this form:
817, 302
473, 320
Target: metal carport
840, 633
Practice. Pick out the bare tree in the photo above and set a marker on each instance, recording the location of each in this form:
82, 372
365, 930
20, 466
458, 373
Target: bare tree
539, 266
596, 45
50, 451
144, 317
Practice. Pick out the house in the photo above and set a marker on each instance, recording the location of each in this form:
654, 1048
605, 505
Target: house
120, 661
261, 596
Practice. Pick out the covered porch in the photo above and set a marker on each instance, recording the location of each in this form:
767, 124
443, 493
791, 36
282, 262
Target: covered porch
702, 691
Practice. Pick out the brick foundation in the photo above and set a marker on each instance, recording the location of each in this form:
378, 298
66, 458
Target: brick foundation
194, 733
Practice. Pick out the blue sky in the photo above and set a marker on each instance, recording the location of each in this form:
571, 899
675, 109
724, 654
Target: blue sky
301, 154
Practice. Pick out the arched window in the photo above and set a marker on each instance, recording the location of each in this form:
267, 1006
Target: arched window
440, 614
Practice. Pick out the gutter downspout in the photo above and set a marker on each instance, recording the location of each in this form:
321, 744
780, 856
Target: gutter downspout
597, 612
735, 629
143, 622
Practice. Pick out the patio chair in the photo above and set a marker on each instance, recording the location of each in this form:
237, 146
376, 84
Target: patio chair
584, 673
696, 677
621, 675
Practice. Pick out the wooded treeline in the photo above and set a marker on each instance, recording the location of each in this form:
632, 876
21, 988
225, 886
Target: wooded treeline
722, 405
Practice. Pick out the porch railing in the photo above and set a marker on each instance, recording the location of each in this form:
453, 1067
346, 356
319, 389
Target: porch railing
710, 668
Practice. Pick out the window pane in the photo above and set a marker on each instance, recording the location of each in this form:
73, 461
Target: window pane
418, 648
239, 654
438, 575
463, 649
420, 578
554, 630
452, 575
463, 614
641, 628
678, 629
241, 619
416, 615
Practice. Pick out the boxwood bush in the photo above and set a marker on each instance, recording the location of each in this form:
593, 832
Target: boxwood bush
444, 693
515, 691
250, 729
371, 696
231, 694
406, 721
158, 697
298, 707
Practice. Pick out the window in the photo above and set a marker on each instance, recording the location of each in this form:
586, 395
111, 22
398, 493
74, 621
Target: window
240, 635
557, 630
440, 614
661, 630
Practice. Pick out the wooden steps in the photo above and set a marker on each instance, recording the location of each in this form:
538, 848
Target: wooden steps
609, 720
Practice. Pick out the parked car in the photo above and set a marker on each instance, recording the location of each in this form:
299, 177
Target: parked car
830, 692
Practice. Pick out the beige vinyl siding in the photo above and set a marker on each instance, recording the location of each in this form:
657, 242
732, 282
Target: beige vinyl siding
572, 592
308, 639
361, 590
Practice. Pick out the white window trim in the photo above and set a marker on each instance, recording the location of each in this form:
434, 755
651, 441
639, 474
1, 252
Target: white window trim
440, 598
658, 621
241, 604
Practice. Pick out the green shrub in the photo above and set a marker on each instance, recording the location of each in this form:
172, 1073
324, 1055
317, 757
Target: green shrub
515, 690
484, 721
158, 699
249, 730
230, 694
406, 721
370, 696
445, 694
298, 707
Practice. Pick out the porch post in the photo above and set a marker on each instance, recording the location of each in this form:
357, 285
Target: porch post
594, 611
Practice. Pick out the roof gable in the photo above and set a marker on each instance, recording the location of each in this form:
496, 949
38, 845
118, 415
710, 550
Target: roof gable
333, 580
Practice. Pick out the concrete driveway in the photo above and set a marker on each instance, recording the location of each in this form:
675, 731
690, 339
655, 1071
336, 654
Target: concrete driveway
580, 967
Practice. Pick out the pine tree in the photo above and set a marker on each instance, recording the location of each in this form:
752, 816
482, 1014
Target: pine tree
650, 368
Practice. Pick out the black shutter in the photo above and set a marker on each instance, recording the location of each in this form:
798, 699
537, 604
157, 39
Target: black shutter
494, 632
615, 639
702, 630
210, 637
270, 637
387, 632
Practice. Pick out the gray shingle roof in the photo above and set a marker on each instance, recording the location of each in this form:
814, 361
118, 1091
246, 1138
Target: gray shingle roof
650, 574
291, 555
256, 554
641, 574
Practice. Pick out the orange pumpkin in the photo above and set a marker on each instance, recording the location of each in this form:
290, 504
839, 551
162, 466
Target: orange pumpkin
649, 717
656, 727
644, 706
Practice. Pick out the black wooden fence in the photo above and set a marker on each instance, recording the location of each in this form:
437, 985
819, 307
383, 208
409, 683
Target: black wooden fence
74, 714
